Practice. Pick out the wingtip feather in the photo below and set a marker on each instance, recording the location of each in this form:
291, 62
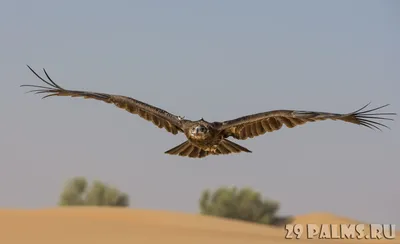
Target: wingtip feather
365, 118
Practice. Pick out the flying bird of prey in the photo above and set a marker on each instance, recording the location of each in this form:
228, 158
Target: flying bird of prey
211, 138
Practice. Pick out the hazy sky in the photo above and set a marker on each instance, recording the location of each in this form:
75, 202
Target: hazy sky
213, 59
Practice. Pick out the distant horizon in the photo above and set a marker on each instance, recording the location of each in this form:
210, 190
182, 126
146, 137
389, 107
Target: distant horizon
317, 214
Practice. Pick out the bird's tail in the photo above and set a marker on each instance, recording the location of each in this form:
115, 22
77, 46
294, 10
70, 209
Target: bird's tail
187, 149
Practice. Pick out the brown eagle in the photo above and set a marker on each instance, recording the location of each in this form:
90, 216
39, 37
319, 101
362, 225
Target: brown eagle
205, 138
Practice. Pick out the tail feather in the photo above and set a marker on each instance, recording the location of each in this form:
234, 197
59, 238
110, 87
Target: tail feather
187, 149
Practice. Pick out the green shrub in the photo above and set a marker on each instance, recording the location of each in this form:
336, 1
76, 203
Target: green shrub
241, 204
78, 193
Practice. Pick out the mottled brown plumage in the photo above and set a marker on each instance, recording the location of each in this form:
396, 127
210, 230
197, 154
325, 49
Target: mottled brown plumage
205, 138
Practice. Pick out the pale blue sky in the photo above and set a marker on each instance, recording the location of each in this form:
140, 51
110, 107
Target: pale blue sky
213, 59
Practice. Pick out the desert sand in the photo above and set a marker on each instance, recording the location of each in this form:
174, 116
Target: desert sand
118, 225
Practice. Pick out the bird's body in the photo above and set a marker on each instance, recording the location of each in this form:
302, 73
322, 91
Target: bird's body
203, 134
204, 138
211, 138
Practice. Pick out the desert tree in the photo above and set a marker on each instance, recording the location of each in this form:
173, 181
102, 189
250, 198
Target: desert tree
241, 204
77, 192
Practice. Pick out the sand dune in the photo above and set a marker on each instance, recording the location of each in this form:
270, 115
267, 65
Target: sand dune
323, 218
114, 225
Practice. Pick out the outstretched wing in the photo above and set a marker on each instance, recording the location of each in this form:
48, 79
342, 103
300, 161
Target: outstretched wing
258, 124
159, 117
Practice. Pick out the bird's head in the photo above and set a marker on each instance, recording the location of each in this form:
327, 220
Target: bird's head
199, 132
